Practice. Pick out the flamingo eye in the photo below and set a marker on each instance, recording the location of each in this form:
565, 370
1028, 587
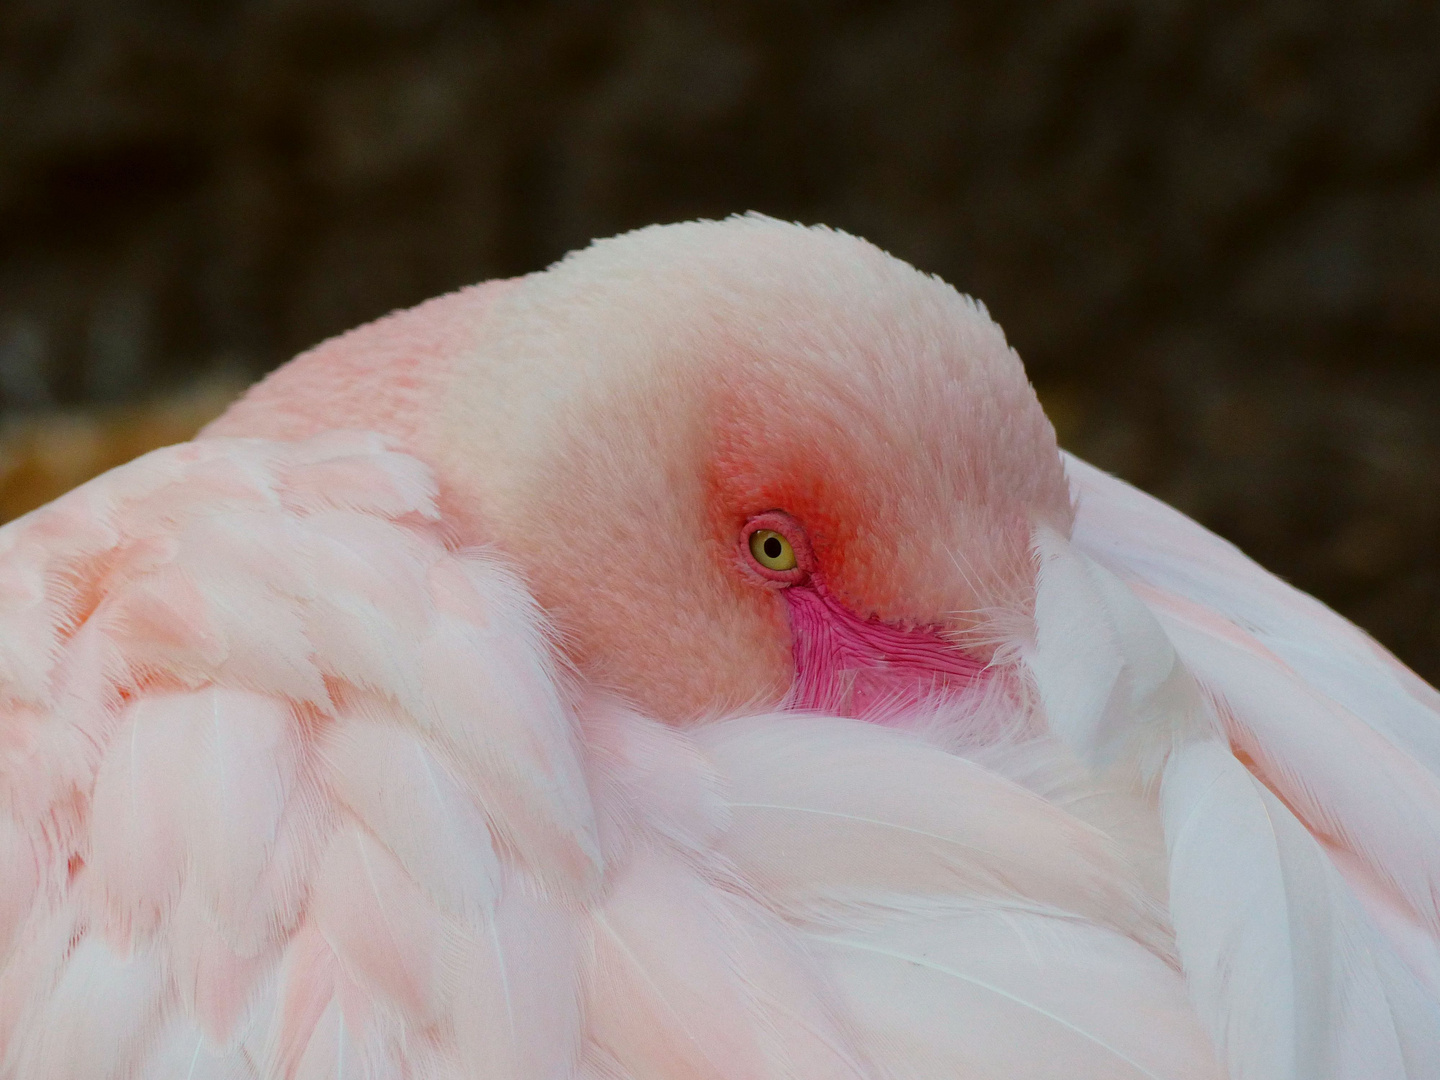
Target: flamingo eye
774, 548
771, 550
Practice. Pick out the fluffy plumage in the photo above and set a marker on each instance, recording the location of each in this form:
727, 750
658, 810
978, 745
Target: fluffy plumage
456, 744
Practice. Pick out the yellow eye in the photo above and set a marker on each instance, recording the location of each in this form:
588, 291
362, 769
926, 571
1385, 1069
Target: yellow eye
771, 550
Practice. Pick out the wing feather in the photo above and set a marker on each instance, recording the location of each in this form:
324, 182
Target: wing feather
832, 813
515, 982
688, 981
290, 787
410, 800
100, 1020
184, 1054
380, 925
1204, 674
1278, 955
1329, 766
1142, 540
260, 732
995, 991
217, 986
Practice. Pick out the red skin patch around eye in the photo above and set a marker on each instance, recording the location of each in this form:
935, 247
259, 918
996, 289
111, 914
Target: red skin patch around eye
742, 486
843, 663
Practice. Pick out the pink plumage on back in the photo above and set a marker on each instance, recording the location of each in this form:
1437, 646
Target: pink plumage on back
434, 716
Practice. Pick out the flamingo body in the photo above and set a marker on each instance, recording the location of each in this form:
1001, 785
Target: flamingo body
434, 715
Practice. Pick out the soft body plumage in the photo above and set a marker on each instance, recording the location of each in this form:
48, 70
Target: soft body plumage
420, 721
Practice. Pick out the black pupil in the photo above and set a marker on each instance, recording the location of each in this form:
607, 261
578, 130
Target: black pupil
772, 547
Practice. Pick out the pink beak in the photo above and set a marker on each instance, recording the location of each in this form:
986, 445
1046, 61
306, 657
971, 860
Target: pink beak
866, 668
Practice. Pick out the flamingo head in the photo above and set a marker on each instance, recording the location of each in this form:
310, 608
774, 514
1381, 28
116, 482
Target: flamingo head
739, 463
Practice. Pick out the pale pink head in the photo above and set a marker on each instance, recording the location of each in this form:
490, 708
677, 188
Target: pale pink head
620, 424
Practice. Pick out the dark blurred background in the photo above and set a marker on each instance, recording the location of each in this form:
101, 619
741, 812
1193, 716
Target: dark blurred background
1212, 231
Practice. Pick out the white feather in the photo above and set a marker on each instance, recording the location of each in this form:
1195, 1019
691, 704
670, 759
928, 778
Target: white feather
1277, 954
1109, 679
358, 473
29, 976
688, 981
373, 605
100, 1019
1344, 779
1128, 817
1142, 539
835, 812
1279, 957
996, 992
217, 986
183, 1054
649, 782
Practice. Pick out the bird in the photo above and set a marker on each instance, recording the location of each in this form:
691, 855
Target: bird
694, 660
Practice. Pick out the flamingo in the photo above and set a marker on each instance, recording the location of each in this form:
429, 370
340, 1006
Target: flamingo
696, 661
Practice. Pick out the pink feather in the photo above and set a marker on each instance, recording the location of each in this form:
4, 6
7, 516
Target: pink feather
137, 849
20, 873
515, 984
411, 802
217, 986
381, 927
